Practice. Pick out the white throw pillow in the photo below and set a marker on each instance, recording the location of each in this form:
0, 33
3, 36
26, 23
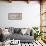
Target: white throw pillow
28, 31
5, 32
23, 31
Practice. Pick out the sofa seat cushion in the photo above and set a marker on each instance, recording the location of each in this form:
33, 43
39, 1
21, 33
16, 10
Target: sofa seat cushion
21, 37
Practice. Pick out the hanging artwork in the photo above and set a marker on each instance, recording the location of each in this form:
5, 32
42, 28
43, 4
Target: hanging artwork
14, 16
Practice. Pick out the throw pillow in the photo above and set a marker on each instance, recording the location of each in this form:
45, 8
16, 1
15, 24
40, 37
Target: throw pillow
17, 30
23, 31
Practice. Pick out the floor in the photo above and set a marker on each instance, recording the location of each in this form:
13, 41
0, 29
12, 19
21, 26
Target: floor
35, 43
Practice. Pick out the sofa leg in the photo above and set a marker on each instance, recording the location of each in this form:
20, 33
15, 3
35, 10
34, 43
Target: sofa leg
21, 44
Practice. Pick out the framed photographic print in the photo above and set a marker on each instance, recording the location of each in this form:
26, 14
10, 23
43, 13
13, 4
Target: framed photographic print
14, 16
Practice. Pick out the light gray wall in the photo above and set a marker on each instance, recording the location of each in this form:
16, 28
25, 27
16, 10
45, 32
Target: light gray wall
30, 14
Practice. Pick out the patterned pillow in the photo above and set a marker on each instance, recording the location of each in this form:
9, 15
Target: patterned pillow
17, 30
11, 29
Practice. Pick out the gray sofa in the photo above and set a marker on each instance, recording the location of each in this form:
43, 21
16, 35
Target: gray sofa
17, 35
22, 38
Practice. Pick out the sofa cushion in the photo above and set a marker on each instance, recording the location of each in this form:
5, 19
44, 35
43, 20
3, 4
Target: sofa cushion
17, 30
23, 31
28, 31
20, 37
11, 30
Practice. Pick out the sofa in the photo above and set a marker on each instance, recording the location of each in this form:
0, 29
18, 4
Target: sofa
22, 34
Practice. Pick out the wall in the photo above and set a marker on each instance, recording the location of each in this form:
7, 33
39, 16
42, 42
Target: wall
30, 14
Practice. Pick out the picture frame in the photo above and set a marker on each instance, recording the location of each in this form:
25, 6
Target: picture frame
14, 16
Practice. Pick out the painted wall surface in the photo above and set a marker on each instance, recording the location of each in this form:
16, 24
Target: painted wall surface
30, 14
